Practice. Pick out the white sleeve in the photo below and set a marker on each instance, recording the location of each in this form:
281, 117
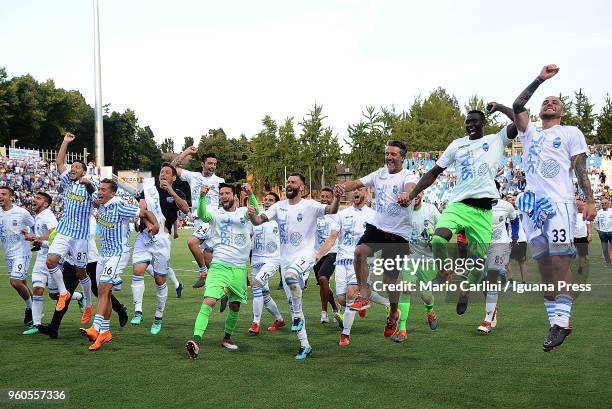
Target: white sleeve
369, 180
411, 178
319, 208
576, 143
512, 212
272, 212
503, 136
334, 221
448, 157
528, 134
187, 176
51, 222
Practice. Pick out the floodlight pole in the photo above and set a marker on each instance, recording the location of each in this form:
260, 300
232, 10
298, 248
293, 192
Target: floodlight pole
99, 128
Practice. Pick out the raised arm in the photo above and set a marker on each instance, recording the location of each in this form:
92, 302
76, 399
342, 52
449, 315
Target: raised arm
252, 200
332, 208
60, 159
180, 202
579, 164
203, 213
521, 116
256, 218
352, 185
497, 107
425, 181
192, 150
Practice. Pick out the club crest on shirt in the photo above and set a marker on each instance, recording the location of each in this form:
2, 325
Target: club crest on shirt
300, 217
501, 219
557, 142
275, 230
550, 168
242, 221
295, 238
240, 239
395, 189
271, 247
485, 147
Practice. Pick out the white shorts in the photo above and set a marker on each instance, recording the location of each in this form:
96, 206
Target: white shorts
154, 251
200, 232
262, 270
18, 267
77, 248
498, 257
41, 276
109, 269
345, 275
301, 268
556, 237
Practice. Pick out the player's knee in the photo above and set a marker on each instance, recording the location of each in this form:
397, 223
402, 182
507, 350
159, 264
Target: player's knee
209, 301
234, 306
323, 280
38, 291
193, 243
52, 262
362, 251
342, 300
81, 273
291, 280
159, 280
16, 283
439, 240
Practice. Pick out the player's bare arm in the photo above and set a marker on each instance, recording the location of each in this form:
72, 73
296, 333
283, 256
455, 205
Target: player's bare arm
180, 202
426, 180
403, 199
327, 245
88, 185
332, 208
352, 185
580, 168
150, 217
521, 116
256, 219
493, 107
190, 151
60, 160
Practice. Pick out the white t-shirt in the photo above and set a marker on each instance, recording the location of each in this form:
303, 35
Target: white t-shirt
196, 180
350, 224
266, 242
12, 222
475, 163
522, 237
424, 222
230, 233
502, 213
44, 222
580, 230
390, 216
547, 158
297, 226
324, 228
603, 220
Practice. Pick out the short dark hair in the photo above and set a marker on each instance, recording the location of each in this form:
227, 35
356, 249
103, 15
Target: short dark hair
10, 189
208, 155
274, 195
302, 178
168, 165
112, 183
399, 145
47, 197
81, 162
327, 189
222, 185
476, 111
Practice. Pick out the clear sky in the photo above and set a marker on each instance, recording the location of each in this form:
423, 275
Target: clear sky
186, 66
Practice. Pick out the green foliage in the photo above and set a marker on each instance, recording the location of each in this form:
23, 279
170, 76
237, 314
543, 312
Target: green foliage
604, 123
167, 145
232, 155
188, 142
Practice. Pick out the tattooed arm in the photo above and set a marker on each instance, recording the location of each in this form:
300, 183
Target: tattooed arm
579, 163
521, 116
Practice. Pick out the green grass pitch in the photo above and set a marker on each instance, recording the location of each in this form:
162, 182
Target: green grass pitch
452, 367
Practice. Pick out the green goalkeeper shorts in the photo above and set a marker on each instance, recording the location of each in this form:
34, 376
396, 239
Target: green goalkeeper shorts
223, 276
477, 224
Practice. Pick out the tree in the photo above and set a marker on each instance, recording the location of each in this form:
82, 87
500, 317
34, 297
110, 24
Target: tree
492, 122
265, 160
230, 165
188, 142
147, 151
367, 141
604, 123
167, 145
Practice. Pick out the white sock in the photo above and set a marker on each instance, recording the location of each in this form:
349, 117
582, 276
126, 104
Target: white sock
86, 284
347, 321
104, 326
150, 271
97, 323
378, 299
172, 277
161, 295
37, 309
551, 307
490, 304
296, 298
302, 336
258, 303
563, 309
58, 276
138, 288
76, 296
271, 307
28, 303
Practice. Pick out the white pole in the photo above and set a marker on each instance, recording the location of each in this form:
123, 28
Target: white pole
310, 182
322, 177
285, 179
99, 129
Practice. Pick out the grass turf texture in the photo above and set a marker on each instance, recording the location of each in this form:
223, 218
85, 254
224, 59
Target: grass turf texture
453, 366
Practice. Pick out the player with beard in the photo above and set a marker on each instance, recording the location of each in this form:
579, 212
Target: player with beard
196, 180
265, 260
297, 223
548, 203
230, 231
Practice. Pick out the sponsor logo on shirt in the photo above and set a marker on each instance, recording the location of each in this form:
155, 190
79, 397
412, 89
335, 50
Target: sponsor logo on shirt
485, 147
557, 142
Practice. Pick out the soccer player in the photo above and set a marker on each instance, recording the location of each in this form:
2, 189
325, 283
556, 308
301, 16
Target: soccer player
230, 233
324, 267
475, 158
603, 224
196, 180
297, 223
498, 257
424, 219
391, 229
165, 202
347, 228
72, 282
73, 228
14, 223
265, 260
519, 249
114, 216
549, 154
582, 236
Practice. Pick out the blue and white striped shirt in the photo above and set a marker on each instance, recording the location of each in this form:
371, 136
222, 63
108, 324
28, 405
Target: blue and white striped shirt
114, 219
77, 209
